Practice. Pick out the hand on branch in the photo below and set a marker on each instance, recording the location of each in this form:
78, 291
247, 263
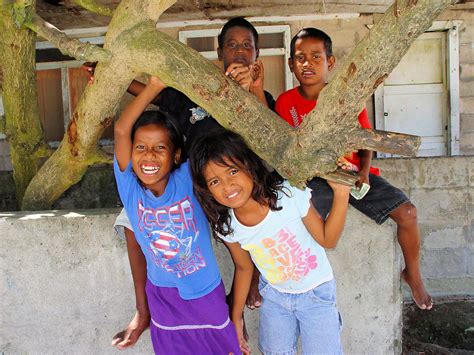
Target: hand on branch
339, 188
156, 84
89, 67
257, 73
241, 74
345, 164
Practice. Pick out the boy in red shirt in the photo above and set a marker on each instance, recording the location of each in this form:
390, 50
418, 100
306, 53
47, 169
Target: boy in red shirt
311, 59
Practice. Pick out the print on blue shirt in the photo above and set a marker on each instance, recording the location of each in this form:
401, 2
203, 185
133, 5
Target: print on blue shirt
170, 232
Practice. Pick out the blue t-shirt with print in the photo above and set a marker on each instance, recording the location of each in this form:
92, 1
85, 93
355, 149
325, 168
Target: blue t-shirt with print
173, 232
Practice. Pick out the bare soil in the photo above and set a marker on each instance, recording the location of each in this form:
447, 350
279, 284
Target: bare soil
448, 328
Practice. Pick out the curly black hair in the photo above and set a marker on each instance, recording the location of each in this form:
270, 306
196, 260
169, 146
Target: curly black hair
222, 146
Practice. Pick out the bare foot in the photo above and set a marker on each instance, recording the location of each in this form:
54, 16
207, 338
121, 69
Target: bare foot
420, 296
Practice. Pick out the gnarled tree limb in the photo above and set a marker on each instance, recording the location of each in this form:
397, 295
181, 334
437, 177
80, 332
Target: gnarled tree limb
68, 46
95, 7
137, 47
394, 143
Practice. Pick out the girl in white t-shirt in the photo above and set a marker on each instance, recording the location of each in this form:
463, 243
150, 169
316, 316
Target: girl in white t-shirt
263, 219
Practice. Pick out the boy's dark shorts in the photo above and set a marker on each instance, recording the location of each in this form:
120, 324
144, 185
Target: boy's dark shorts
380, 201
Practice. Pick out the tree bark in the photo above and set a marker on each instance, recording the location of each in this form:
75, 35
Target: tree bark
22, 126
68, 46
95, 7
95, 111
137, 47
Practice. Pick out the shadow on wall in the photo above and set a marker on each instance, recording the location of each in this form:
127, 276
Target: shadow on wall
96, 190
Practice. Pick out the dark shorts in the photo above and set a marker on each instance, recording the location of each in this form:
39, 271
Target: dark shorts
382, 198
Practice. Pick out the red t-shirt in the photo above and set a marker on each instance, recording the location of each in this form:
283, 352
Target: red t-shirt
293, 107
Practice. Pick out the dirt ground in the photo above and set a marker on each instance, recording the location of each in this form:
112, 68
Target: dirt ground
446, 329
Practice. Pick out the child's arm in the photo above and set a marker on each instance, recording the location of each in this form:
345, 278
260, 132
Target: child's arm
257, 87
141, 319
365, 157
240, 286
328, 234
123, 126
136, 87
250, 78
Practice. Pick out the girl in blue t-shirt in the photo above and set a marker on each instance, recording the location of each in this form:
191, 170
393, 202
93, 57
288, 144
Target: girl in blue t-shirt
263, 219
178, 288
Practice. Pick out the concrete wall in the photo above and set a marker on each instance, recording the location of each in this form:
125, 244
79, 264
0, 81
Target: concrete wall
442, 188
66, 285
443, 191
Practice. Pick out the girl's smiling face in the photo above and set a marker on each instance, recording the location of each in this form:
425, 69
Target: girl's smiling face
229, 184
153, 157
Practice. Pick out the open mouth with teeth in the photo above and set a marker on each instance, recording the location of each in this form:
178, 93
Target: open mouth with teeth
308, 72
149, 169
232, 195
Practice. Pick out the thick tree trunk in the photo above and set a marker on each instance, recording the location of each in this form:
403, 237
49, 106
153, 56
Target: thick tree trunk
22, 124
137, 47
97, 107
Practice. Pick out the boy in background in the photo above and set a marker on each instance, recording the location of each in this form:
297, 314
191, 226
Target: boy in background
311, 59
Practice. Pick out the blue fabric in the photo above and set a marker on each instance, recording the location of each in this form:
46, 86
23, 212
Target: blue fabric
172, 231
313, 315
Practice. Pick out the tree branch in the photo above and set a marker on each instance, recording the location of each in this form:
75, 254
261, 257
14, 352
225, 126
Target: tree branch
155, 8
130, 13
68, 46
95, 7
342, 177
387, 142
139, 48
100, 157
372, 61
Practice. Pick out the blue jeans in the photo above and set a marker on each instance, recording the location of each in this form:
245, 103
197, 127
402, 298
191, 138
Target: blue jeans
313, 314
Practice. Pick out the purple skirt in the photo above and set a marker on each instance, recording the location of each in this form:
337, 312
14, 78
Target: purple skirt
198, 326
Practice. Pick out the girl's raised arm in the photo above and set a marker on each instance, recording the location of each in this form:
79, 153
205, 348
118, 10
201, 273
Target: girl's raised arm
240, 287
327, 233
123, 126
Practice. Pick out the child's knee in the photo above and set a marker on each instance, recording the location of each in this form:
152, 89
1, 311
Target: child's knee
405, 214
